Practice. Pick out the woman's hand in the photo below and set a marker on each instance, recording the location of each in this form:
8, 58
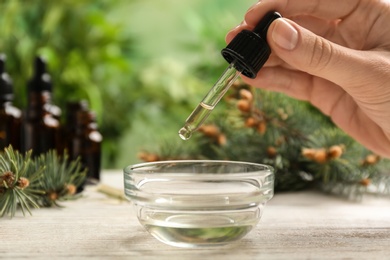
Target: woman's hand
334, 54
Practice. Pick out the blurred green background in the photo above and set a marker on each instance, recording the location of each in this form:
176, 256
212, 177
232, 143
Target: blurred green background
143, 65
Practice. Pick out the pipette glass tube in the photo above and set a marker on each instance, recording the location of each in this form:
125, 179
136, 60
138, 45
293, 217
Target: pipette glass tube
204, 108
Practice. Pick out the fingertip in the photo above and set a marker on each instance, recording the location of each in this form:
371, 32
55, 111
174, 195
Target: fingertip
256, 12
229, 38
251, 16
231, 34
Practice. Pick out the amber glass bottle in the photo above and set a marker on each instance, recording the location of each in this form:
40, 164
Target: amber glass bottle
69, 128
10, 116
85, 138
40, 127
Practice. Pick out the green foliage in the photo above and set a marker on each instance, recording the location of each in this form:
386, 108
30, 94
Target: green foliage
32, 183
61, 179
88, 50
142, 65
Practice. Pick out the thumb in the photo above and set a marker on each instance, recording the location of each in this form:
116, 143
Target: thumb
311, 53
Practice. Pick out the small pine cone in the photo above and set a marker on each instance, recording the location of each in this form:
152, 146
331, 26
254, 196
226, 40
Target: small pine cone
53, 196
8, 178
262, 127
246, 94
320, 156
371, 159
221, 140
152, 158
71, 189
142, 155
244, 105
23, 183
210, 130
308, 153
271, 152
250, 122
148, 157
365, 182
335, 151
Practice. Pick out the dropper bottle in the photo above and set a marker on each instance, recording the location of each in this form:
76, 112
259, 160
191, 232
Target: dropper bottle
10, 116
246, 54
40, 128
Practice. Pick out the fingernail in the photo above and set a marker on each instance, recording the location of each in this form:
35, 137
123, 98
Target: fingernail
285, 35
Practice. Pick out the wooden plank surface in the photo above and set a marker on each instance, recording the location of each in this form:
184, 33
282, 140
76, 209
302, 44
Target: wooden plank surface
303, 225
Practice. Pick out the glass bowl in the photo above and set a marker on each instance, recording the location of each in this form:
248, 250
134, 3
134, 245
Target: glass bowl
198, 203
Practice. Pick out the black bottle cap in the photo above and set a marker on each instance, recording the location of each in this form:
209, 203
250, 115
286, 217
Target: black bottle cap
6, 84
41, 80
249, 50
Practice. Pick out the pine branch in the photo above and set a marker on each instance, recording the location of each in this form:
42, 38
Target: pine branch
27, 183
18, 182
61, 178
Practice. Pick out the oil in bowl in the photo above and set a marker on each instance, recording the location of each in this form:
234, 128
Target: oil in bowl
199, 203
173, 232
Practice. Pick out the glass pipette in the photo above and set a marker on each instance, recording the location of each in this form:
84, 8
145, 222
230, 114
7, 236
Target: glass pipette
204, 108
246, 54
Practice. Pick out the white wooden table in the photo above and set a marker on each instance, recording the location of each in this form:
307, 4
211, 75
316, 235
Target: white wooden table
304, 225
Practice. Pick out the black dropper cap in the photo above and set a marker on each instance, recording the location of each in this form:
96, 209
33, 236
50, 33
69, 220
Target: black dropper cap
41, 80
6, 84
249, 50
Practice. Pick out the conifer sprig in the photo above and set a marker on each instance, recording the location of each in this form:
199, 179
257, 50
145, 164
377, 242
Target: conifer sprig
27, 182
61, 178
